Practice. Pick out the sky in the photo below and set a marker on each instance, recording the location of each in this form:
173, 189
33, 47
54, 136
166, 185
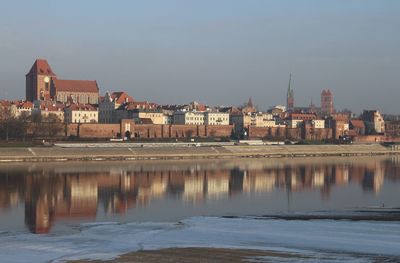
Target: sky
216, 52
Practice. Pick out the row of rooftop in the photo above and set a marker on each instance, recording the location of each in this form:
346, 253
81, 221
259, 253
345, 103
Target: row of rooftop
79, 101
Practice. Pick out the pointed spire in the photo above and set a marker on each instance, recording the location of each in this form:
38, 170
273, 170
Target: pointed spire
250, 103
41, 67
290, 94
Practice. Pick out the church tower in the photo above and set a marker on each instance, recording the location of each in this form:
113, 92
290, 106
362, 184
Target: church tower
327, 102
290, 95
38, 81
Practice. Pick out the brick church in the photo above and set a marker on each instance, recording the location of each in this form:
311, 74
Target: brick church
43, 84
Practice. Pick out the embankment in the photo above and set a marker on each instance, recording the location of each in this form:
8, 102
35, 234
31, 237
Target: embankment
134, 151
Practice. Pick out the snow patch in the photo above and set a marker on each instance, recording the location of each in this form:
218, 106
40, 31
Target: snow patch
108, 240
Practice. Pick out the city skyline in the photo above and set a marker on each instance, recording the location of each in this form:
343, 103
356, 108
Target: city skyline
223, 54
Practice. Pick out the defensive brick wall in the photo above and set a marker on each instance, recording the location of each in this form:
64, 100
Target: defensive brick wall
307, 133
147, 131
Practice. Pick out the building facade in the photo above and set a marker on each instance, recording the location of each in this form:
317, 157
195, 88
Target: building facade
81, 113
43, 84
216, 118
45, 109
38, 81
189, 118
150, 117
108, 105
242, 121
20, 108
327, 103
79, 91
374, 122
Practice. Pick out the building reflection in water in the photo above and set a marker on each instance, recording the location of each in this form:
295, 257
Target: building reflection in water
53, 194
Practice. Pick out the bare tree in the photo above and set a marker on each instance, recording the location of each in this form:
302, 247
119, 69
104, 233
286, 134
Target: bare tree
53, 125
6, 119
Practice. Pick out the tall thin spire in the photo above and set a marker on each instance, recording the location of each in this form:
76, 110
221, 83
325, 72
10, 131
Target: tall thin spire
290, 95
250, 103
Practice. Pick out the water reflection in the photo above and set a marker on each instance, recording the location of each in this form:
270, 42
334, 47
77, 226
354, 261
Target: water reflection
51, 193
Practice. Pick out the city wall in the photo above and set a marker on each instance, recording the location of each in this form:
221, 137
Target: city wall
145, 131
307, 133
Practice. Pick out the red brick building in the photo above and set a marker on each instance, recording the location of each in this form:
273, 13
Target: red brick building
327, 103
42, 84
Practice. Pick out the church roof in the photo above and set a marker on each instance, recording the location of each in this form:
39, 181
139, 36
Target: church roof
76, 85
41, 67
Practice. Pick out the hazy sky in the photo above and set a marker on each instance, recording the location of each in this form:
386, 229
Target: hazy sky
213, 51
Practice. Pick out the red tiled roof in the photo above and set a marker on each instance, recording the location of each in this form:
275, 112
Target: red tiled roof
41, 67
302, 116
5, 103
76, 85
201, 107
81, 107
121, 97
46, 106
357, 124
340, 117
139, 105
24, 104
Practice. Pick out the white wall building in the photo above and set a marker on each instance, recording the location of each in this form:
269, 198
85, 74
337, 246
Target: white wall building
216, 118
81, 113
189, 118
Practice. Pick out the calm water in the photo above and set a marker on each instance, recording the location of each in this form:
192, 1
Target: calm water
52, 198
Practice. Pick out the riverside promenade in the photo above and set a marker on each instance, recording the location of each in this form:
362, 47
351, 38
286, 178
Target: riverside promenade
174, 151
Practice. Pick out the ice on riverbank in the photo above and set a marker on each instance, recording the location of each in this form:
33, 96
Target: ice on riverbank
347, 239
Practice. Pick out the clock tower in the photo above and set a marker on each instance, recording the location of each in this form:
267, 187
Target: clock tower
38, 81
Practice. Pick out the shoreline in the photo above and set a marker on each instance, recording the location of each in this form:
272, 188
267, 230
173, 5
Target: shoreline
231, 255
132, 152
200, 254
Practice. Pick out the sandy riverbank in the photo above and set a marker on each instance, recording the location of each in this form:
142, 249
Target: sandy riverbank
193, 255
121, 152
220, 255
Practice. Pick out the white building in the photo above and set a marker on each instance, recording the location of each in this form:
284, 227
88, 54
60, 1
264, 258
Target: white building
189, 118
20, 108
46, 108
156, 117
216, 118
81, 113
319, 124
256, 119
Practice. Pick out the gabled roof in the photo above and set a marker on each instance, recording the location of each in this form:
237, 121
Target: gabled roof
76, 85
121, 97
81, 107
22, 104
51, 106
41, 67
326, 92
358, 124
302, 116
138, 105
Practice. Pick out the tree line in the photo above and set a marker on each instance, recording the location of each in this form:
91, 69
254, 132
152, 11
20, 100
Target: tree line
29, 126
